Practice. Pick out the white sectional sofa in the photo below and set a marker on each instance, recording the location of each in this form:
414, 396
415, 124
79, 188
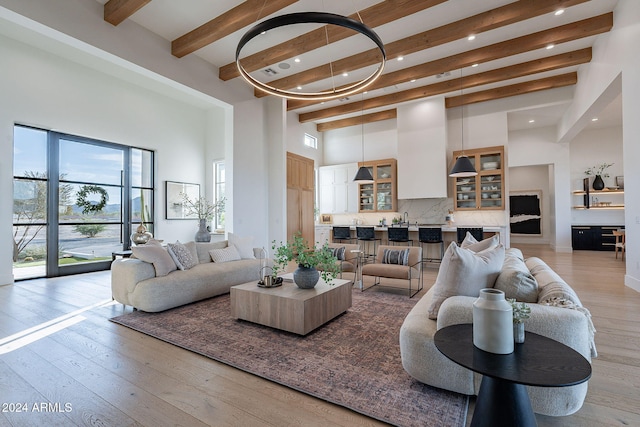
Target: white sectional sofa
135, 282
557, 313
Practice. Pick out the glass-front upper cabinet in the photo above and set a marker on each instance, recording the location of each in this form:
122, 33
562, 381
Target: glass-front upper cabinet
485, 190
381, 195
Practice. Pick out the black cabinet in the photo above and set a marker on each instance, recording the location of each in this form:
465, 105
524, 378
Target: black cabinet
593, 237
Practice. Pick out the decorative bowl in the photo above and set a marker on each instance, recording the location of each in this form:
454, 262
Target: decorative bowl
495, 196
490, 165
465, 188
464, 181
490, 178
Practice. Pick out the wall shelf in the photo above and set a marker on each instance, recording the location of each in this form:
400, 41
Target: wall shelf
589, 203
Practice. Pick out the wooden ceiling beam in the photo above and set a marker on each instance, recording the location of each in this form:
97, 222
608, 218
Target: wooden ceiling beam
244, 14
513, 90
505, 15
116, 11
374, 16
514, 71
352, 121
565, 33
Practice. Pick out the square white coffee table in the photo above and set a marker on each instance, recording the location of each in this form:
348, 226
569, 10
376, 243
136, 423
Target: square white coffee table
288, 307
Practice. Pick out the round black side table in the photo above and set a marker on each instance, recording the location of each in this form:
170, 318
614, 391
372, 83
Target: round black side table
502, 399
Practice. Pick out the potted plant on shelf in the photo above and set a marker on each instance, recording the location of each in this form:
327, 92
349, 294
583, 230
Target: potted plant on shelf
521, 312
309, 261
599, 172
205, 211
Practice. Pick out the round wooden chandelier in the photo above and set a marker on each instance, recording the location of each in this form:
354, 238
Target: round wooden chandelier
316, 18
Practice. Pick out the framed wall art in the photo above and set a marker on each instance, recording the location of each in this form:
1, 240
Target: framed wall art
525, 216
174, 192
326, 218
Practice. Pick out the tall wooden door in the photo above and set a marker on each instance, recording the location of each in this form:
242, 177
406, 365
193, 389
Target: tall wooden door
300, 196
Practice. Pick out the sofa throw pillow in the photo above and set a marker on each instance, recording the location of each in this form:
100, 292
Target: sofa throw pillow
230, 253
464, 272
472, 244
244, 245
156, 255
395, 256
516, 281
203, 248
339, 253
181, 255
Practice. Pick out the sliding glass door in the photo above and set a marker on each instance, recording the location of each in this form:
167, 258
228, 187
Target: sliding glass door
73, 210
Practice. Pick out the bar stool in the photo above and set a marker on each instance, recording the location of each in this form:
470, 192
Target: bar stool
398, 235
342, 233
431, 235
367, 235
476, 232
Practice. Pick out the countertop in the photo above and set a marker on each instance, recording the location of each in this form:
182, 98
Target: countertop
444, 227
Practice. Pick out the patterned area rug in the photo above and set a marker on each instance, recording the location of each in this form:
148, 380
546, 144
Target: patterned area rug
353, 361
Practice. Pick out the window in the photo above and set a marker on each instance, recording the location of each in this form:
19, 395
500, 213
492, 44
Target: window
75, 201
310, 141
218, 189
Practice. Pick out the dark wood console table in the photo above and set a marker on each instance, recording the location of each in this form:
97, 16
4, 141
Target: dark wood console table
503, 399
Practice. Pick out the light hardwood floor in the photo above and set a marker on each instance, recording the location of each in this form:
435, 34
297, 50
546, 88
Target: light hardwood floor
112, 376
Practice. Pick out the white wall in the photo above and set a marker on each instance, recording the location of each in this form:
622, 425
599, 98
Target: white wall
591, 148
539, 147
422, 149
295, 138
616, 62
344, 145
43, 90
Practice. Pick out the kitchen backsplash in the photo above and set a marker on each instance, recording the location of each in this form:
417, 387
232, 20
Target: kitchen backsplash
425, 211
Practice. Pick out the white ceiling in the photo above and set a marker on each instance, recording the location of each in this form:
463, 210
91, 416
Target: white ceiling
171, 19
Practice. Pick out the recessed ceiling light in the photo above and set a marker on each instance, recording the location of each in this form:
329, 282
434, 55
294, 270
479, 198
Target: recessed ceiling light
400, 58
532, 121
345, 74
551, 46
263, 33
299, 87
413, 80
365, 92
471, 37
595, 119
296, 60
559, 12
475, 65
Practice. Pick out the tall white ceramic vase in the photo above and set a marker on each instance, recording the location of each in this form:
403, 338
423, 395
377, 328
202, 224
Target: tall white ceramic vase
493, 322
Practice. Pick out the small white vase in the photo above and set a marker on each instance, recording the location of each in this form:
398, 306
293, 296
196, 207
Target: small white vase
493, 322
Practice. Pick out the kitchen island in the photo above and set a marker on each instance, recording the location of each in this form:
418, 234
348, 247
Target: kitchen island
449, 233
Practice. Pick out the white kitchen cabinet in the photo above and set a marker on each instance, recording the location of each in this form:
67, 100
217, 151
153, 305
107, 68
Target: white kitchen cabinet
323, 234
338, 192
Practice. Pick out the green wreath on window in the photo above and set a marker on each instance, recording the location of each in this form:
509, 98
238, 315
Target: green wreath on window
89, 206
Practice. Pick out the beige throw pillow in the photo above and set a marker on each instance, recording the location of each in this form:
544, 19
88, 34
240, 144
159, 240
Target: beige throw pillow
472, 244
156, 255
516, 281
230, 253
244, 245
464, 272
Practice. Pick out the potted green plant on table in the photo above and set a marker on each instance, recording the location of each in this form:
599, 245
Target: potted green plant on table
521, 312
309, 261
